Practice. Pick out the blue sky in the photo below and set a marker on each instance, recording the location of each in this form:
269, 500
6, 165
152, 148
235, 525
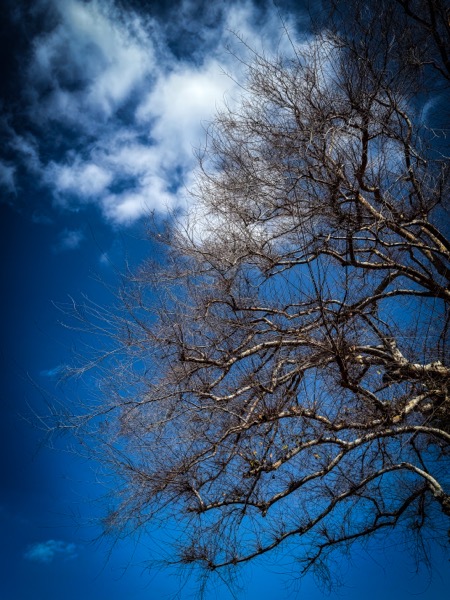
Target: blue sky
103, 105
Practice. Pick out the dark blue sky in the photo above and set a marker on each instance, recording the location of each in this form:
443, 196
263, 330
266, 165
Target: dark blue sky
102, 106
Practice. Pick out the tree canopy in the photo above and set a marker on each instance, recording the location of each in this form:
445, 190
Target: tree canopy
280, 378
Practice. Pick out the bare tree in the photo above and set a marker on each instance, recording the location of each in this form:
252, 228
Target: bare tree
281, 377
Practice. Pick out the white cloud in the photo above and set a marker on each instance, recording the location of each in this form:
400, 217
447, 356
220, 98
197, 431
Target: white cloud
53, 372
81, 179
46, 552
7, 177
178, 104
129, 206
41, 218
26, 149
128, 113
92, 61
69, 239
125, 208
114, 255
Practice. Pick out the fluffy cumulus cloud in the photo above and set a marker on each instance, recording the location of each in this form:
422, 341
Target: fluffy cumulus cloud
46, 552
81, 179
125, 103
90, 62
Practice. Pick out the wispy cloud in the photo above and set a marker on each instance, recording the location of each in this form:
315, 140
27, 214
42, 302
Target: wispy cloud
46, 552
128, 96
7, 176
53, 372
69, 239
41, 218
